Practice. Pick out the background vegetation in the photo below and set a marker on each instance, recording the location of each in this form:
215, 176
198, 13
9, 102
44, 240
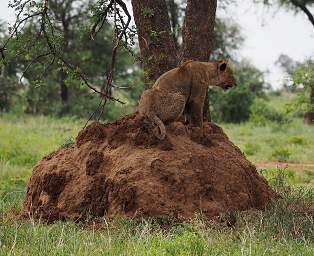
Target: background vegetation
44, 82
42, 108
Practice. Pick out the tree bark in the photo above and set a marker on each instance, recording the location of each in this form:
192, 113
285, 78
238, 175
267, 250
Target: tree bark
198, 29
309, 116
157, 47
64, 94
197, 35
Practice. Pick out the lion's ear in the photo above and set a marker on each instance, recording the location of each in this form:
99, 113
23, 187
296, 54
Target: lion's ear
222, 66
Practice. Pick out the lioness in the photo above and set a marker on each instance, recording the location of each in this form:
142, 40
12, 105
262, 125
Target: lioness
183, 89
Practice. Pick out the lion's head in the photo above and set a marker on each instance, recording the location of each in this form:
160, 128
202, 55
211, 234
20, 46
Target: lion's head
225, 78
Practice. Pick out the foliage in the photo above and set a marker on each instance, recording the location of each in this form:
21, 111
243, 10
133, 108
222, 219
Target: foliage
68, 142
262, 113
234, 105
294, 5
286, 63
299, 104
289, 3
281, 153
251, 148
44, 81
47, 80
299, 140
303, 77
227, 39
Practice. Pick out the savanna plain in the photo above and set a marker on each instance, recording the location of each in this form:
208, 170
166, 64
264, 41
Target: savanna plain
283, 153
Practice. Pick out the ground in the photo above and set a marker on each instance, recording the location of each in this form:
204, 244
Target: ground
285, 228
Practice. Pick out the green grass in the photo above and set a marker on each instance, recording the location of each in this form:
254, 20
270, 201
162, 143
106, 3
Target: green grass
293, 142
284, 228
25, 140
280, 230
280, 102
304, 178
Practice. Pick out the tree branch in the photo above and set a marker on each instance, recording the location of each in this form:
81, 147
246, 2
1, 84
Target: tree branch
46, 32
101, 20
33, 61
304, 9
85, 80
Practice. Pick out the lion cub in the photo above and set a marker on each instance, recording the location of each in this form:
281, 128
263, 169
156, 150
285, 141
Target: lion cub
183, 89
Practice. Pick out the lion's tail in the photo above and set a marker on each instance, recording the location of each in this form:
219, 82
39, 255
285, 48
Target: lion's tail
161, 133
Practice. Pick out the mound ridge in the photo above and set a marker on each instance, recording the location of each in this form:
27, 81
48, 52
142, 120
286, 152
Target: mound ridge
121, 169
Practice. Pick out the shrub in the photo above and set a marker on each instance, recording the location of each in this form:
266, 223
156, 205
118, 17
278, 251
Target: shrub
303, 77
232, 106
277, 177
68, 142
251, 148
297, 140
261, 114
281, 154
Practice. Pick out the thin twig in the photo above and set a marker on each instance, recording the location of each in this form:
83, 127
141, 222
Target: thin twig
32, 62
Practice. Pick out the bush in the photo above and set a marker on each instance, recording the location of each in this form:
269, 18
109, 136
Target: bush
281, 154
251, 149
303, 77
68, 142
261, 114
232, 106
297, 140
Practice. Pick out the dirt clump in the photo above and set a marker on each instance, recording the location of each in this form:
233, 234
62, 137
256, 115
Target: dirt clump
121, 168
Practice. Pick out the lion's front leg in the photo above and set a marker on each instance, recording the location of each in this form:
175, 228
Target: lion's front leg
196, 105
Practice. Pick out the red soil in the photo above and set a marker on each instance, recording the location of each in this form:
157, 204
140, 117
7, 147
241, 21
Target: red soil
122, 169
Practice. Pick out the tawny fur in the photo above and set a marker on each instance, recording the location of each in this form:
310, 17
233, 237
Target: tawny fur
183, 89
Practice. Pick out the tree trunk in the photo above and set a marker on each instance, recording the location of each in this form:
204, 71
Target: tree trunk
64, 92
157, 47
309, 116
197, 35
198, 29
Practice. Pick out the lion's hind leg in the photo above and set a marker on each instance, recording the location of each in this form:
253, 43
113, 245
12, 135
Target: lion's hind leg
172, 106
